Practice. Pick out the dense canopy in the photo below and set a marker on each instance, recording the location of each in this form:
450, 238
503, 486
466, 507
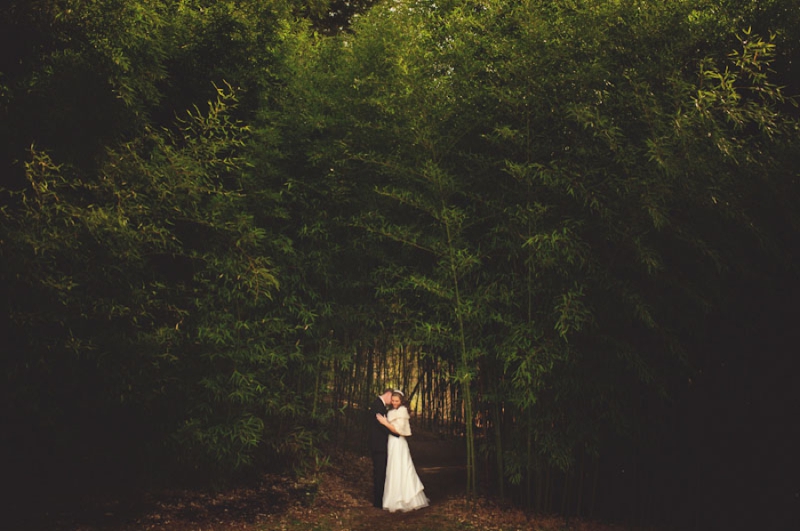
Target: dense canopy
567, 228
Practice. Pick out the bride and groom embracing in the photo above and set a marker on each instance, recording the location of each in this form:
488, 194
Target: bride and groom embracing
396, 486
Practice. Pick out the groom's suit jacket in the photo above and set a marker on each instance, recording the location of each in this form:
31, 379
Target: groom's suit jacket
377, 431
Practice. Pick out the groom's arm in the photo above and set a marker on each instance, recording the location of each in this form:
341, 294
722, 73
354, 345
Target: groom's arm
373, 411
390, 429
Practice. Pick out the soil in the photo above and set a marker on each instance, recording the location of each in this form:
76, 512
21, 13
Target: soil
337, 499
440, 464
343, 490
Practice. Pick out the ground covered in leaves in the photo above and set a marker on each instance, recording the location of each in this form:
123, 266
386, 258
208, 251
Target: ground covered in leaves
338, 499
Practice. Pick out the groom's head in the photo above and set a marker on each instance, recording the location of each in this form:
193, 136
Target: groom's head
386, 396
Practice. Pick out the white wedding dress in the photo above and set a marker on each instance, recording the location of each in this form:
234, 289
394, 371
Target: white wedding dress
403, 491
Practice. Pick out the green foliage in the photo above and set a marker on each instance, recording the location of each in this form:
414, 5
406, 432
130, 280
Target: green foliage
141, 245
543, 172
545, 197
158, 273
82, 76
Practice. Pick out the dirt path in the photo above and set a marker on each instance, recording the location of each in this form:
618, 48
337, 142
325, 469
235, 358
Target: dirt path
441, 467
342, 501
339, 501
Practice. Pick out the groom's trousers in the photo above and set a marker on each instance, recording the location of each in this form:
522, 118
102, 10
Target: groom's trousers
378, 477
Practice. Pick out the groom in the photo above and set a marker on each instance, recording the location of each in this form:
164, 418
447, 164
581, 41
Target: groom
377, 443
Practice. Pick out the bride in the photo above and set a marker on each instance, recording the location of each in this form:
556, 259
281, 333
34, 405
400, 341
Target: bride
403, 491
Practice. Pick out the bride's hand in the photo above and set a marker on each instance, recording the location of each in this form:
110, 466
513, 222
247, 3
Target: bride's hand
380, 418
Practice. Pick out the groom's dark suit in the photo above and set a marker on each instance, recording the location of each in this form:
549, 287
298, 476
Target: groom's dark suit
377, 444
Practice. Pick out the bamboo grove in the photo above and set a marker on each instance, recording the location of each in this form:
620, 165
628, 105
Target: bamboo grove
227, 224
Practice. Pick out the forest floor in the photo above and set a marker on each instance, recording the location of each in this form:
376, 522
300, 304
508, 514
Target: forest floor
339, 501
